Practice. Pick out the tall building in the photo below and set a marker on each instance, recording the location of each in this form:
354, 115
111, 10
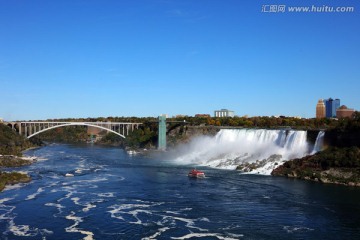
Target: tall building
331, 105
320, 109
224, 113
344, 112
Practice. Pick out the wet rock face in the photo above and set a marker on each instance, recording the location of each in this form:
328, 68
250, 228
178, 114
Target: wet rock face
345, 138
183, 134
271, 161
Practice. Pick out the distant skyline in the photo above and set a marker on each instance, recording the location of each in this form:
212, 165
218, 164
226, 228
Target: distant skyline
92, 58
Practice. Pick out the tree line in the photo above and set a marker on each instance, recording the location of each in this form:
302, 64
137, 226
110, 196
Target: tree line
146, 134
257, 121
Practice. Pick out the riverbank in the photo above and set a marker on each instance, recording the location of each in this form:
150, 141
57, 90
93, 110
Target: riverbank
11, 178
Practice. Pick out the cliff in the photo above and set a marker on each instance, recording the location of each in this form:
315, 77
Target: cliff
184, 133
343, 137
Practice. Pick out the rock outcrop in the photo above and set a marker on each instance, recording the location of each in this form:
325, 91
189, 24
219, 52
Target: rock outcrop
252, 166
334, 165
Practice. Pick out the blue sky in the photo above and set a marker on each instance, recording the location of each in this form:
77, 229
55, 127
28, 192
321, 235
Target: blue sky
92, 58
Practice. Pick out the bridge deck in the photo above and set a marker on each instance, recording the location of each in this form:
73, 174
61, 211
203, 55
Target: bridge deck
32, 128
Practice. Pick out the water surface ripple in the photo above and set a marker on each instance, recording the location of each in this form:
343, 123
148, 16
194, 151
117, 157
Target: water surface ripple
91, 192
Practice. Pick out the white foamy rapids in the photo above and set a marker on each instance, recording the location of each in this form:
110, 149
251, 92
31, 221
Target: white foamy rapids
32, 196
74, 228
107, 195
14, 186
145, 213
292, 229
57, 205
157, 234
87, 206
231, 147
129, 209
204, 235
190, 223
5, 200
26, 230
5, 210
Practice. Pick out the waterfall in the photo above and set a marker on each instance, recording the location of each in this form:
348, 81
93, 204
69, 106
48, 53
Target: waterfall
233, 147
319, 142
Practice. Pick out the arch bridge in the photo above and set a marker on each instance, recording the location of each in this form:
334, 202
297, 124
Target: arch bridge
30, 129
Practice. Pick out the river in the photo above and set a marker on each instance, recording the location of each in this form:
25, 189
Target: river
112, 195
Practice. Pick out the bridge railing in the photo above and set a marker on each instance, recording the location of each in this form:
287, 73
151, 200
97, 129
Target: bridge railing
32, 128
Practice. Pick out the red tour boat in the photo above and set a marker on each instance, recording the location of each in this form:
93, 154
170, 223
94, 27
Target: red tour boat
196, 174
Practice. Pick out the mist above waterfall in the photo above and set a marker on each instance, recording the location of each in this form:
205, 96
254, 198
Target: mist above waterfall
232, 147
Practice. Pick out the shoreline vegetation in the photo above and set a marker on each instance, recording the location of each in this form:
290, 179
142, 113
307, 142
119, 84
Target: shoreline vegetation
338, 163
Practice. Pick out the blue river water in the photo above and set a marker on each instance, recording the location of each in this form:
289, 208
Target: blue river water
92, 192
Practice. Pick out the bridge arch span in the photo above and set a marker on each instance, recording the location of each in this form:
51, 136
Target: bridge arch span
75, 124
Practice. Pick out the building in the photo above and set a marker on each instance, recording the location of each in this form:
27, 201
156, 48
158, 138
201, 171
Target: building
344, 112
224, 113
320, 109
330, 106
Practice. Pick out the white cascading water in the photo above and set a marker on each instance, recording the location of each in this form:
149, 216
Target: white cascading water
232, 147
319, 142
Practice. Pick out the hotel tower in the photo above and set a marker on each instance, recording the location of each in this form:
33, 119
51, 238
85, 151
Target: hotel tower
320, 109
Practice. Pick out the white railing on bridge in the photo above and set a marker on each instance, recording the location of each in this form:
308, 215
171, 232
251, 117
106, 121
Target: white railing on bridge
30, 128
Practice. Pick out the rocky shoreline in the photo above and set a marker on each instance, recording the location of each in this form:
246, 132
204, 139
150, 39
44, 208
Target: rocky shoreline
331, 176
11, 178
15, 161
332, 166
